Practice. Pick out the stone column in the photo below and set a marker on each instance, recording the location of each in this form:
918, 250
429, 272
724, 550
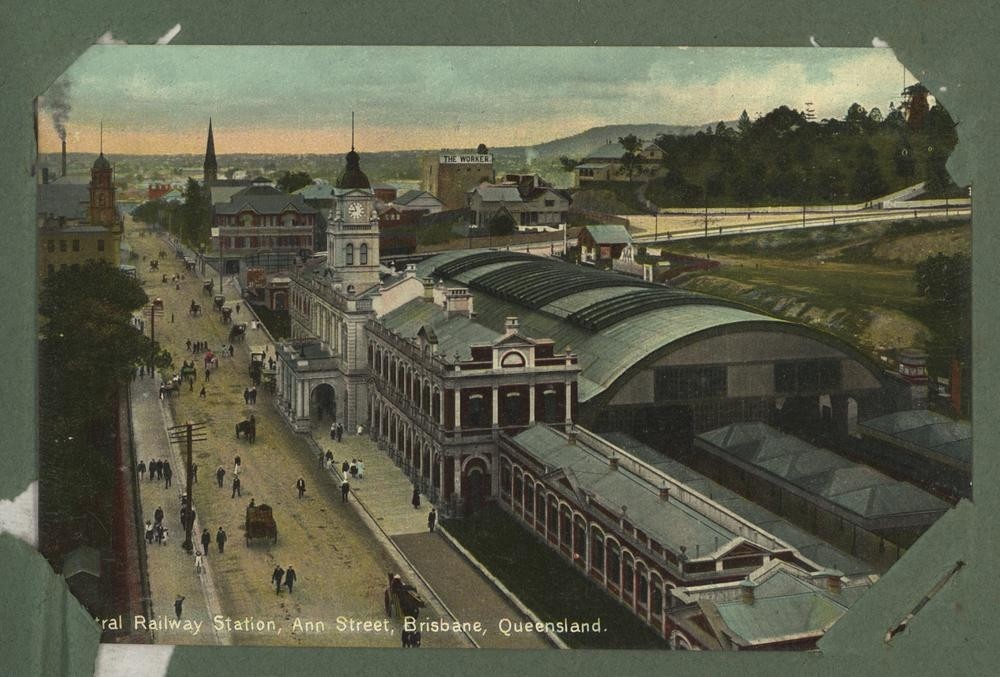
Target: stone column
531, 404
569, 403
496, 406
458, 409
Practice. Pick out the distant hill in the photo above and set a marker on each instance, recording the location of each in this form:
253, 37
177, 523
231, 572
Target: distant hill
578, 145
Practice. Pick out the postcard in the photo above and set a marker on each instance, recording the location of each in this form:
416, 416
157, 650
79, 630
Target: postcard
522, 348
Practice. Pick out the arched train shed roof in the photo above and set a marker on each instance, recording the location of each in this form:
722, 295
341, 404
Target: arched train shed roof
610, 321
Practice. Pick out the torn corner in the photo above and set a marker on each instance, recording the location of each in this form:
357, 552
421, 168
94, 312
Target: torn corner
19, 517
812, 41
904, 622
109, 39
879, 42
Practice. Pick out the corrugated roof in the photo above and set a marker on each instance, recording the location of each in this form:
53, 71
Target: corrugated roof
671, 523
455, 333
782, 617
68, 200
853, 486
491, 193
411, 195
609, 233
608, 335
810, 545
267, 203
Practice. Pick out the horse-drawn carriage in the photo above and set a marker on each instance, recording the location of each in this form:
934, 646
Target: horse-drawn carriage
248, 428
238, 332
170, 388
158, 303
402, 600
227, 314
195, 308
218, 301
260, 523
208, 286
188, 371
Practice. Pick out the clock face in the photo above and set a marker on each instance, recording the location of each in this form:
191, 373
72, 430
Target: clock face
356, 210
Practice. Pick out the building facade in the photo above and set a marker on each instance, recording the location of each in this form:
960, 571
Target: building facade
79, 223
450, 176
527, 199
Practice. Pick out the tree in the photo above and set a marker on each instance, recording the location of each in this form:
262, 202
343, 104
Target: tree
481, 149
875, 115
568, 164
501, 223
868, 182
631, 161
744, 124
195, 213
290, 182
915, 105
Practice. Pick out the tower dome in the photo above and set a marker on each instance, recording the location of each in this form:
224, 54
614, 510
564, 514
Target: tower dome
353, 177
101, 162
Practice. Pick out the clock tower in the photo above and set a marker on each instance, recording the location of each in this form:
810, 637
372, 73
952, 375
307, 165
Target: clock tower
352, 234
102, 210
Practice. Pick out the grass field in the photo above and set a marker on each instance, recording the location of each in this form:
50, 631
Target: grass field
547, 584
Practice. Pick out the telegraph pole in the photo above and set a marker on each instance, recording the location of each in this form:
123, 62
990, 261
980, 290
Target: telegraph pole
189, 433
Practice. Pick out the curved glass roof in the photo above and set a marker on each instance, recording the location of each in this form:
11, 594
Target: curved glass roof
609, 320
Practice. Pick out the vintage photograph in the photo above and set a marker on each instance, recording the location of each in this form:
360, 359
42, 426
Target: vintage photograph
655, 348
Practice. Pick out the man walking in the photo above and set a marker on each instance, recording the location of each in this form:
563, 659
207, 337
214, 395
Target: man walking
206, 540
168, 474
345, 489
158, 515
415, 499
220, 539
301, 486
201, 393
276, 577
432, 519
246, 396
290, 578
236, 487
141, 468
179, 605
333, 431
219, 475
340, 431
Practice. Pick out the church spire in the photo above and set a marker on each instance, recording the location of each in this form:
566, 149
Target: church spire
211, 166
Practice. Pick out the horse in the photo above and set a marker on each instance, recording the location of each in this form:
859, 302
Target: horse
195, 309
248, 428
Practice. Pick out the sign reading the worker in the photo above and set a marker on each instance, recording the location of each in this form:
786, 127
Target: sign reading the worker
466, 159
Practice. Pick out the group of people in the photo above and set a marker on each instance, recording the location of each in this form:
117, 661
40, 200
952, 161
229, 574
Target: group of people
284, 577
250, 395
356, 469
158, 470
206, 541
336, 431
197, 346
156, 530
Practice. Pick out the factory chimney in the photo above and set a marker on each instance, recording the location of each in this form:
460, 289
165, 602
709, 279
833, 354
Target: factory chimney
64, 156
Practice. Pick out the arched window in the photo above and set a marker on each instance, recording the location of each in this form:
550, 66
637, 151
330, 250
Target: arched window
566, 526
512, 359
596, 549
363, 252
656, 602
628, 574
349, 254
614, 563
529, 496
518, 484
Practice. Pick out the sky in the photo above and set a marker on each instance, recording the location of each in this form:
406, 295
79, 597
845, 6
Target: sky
296, 100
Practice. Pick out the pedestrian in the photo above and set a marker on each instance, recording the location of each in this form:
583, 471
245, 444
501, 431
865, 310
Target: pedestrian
253, 395
432, 519
187, 344
220, 539
179, 605
236, 487
154, 469
344, 468
231, 351
206, 540
290, 578
361, 430
198, 562
208, 374
237, 309
276, 577
354, 468
158, 532
141, 468
149, 532
171, 314
158, 515
340, 431
237, 465
194, 473
219, 475
345, 489
246, 396
415, 499
201, 394
164, 532
168, 475
190, 385
333, 431
301, 486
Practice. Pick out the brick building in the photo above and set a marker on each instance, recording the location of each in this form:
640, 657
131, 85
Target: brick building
449, 176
